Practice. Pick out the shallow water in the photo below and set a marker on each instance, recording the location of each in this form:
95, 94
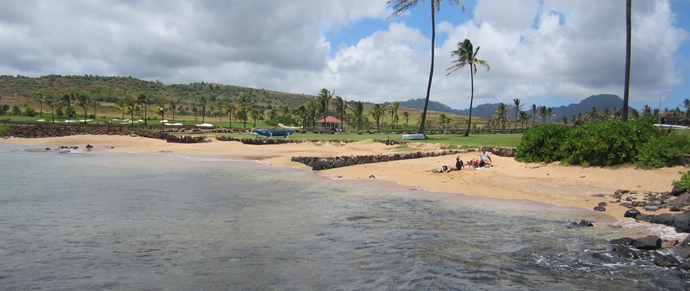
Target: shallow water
165, 222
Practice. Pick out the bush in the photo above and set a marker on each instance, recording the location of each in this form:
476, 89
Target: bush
29, 111
606, 143
4, 130
542, 143
664, 151
684, 180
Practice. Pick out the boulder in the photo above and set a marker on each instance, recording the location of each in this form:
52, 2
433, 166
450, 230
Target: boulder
680, 201
626, 252
677, 190
650, 242
631, 213
666, 261
681, 221
599, 208
626, 241
665, 219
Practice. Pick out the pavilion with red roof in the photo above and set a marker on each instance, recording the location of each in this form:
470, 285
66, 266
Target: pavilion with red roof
330, 124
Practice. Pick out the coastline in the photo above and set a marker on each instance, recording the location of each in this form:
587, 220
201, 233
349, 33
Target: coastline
509, 179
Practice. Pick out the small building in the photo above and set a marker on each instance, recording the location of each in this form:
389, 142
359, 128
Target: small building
329, 124
670, 117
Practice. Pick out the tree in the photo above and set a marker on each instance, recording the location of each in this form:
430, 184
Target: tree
49, 101
406, 115
202, 103
400, 7
501, 115
83, 101
466, 55
524, 117
377, 112
517, 106
159, 108
394, 112
67, 100
40, 99
628, 33
229, 109
143, 100
242, 109
94, 104
542, 113
549, 113
340, 109
592, 114
255, 115
534, 111
358, 114
324, 99
130, 108
442, 120
565, 120
173, 107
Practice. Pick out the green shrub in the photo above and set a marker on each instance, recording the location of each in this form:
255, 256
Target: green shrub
684, 180
542, 143
606, 143
29, 111
4, 130
664, 151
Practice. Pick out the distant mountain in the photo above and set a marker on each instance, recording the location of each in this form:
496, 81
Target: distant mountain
600, 102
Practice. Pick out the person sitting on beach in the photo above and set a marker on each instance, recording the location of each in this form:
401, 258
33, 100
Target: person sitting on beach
442, 169
458, 165
486, 157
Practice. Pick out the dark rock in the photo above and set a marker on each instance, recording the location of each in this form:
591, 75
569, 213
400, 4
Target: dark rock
626, 241
665, 219
623, 251
650, 242
681, 200
626, 204
683, 252
685, 266
602, 204
666, 261
372, 177
651, 208
675, 209
631, 213
582, 223
598, 195
644, 217
599, 208
681, 221
677, 190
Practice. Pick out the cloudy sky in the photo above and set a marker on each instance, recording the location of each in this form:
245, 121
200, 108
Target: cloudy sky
545, 52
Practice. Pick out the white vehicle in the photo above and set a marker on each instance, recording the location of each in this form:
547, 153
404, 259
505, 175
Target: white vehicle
670, 126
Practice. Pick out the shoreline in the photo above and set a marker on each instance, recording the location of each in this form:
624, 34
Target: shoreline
551, 183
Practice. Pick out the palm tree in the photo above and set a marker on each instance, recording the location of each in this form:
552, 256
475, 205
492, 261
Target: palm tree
312, 109
130, 107
358, 114
592, 114
377, 112
402, 6
406, 115
242, 109
647, 111
340, 107
524, 117
159, 108
534, 111
255, 114
67, 100
501, 115
203, 102
542, 113
48, 100
324, 99
549, 113
565, 120
394, 112
518, 107
143, 100
173, 107
41, 99
628, 33
466, 55
229, 109
94, 104
83, 101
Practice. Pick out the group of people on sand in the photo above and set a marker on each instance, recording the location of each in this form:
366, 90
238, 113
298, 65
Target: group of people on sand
484, 161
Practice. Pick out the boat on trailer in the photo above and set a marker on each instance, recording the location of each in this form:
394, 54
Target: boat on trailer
413, 136
274, 132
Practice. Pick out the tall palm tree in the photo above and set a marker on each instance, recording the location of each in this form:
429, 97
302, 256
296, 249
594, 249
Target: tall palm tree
48, 100
173, 107
40, 97
242, 109
565, 120
323, 99
534, 111
542, 113
400, 7
203, 102
549, 113
377, 112
143, 100
518, 107
83, 101
229, 109
501, 115
628, 33
466, 55
340, 107
524, 117
394, 112
358, 114
67, 100
255, 114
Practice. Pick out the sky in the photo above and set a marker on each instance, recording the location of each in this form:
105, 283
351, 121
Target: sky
544, 52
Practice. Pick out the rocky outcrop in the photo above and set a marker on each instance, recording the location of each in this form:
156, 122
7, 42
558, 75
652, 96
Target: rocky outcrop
647, 248
323, 163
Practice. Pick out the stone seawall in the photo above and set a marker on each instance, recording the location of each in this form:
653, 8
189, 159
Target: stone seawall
265, 141
323, 163
41, 131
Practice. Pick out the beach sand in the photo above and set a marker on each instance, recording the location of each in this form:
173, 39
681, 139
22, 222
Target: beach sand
551, 183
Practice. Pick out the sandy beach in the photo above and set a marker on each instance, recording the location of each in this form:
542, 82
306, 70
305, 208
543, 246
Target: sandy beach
552, 183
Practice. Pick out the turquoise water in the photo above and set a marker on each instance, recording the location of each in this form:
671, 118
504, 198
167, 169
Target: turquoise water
90, 221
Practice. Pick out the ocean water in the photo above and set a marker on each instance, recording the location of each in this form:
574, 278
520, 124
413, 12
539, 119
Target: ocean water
119, 221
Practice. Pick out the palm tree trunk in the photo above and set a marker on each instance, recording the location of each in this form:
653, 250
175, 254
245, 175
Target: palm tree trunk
628, 30
469, 121
431, 70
